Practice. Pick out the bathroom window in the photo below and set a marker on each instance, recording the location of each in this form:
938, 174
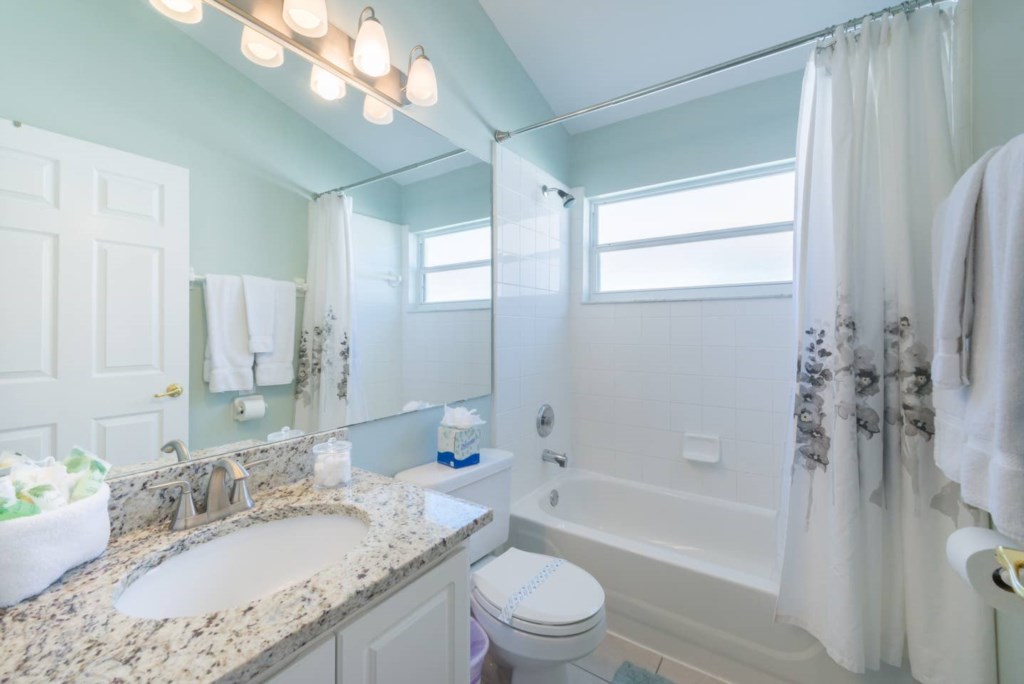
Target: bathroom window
719, 236
452, 267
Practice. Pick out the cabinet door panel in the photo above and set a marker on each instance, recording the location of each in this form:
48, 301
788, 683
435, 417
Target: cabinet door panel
420, 634
315, 667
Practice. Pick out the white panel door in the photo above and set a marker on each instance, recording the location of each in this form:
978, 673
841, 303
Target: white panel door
421, 634
93, 297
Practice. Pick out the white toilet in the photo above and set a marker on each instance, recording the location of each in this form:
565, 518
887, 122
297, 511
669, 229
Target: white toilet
540, 612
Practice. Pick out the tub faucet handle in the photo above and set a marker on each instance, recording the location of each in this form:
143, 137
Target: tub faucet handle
550, 456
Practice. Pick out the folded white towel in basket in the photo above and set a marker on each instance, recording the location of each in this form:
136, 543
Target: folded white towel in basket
51, 543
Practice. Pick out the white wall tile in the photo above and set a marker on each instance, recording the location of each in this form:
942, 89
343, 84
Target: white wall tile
533, 363
645, 373
686, 331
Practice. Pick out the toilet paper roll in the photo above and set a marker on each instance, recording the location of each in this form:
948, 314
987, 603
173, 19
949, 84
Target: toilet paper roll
972, 553
251, 407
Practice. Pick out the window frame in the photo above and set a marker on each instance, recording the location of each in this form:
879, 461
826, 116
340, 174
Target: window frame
418, 272
594, 250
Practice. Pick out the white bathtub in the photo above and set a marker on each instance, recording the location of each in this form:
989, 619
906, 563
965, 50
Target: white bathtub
685, 575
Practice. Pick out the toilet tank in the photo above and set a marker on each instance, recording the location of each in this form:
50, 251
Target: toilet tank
489, 483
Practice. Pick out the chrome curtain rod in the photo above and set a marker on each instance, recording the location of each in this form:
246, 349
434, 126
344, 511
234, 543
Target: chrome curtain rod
905, 7
389, 174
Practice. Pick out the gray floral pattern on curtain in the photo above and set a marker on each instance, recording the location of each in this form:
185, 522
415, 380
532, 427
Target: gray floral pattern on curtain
842, 361
316, 357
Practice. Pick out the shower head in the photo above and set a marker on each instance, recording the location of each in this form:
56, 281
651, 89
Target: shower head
567, 199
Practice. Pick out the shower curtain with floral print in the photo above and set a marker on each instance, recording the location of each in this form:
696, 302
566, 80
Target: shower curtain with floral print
862, 567
325, 387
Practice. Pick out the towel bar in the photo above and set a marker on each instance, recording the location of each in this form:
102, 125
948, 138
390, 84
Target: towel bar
193, 277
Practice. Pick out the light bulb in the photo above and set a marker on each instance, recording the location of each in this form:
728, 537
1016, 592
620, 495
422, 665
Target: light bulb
376, 112
371, 54
185, 11
260, 49
325, 84
308, 17
421, 88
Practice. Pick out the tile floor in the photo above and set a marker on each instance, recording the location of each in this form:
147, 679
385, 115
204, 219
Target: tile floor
599, 667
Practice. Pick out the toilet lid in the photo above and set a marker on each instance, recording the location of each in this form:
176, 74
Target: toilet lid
539, 589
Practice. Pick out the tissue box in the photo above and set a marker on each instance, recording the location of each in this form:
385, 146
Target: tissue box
458, 447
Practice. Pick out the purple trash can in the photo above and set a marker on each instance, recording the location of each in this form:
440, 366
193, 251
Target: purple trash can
478, 645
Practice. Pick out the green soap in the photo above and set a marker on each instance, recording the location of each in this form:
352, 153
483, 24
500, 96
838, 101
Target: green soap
86, 486
20, 509
81, 460
41, 490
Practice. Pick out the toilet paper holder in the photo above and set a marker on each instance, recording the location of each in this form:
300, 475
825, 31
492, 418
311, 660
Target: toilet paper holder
1011, 560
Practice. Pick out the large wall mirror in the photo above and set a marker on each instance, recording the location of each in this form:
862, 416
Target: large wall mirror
165, 272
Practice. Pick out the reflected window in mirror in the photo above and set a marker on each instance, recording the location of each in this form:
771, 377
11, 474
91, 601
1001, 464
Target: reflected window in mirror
451, 267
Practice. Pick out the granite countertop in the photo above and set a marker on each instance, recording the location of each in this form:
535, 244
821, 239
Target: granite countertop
72, 632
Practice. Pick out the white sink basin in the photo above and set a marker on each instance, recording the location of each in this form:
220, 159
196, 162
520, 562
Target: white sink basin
243, 566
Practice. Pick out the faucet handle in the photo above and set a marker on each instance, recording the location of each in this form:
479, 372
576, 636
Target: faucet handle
258, 461
186, 504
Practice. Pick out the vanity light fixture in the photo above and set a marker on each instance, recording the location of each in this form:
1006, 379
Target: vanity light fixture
260, 49
377, 112
367, 66
325, 84
308, 17
371, 54
421, 88
185, 11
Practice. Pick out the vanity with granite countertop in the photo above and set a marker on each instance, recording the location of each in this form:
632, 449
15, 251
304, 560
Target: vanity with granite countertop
395, 602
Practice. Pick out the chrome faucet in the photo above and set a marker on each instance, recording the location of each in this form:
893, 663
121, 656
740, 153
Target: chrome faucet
227, 492
550, 456
176, 446
220, 502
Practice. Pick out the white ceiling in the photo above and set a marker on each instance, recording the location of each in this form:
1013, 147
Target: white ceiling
581, 52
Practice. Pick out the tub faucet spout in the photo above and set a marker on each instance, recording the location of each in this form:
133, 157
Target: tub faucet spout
550, 456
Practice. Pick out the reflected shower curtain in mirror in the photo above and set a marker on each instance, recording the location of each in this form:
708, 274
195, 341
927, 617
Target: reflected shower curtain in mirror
862, 560
325, 387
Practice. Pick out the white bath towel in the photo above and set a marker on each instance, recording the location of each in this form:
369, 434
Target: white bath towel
38, 549
979, 438
278, 366
953, 278
259, 312
228, 363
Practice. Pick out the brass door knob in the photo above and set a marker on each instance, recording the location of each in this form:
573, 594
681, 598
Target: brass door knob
173, 391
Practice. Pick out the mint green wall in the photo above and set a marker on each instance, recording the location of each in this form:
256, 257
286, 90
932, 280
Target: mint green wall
741, 127
455, 197
118, 74
481, 85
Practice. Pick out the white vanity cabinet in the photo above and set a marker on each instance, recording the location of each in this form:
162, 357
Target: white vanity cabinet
419, 633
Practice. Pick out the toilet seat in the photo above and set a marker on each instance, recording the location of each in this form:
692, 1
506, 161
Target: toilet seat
565, 601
